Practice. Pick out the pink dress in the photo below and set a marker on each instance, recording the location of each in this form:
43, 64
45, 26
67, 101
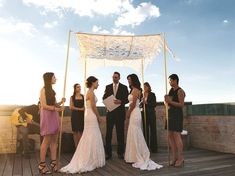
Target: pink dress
49, 122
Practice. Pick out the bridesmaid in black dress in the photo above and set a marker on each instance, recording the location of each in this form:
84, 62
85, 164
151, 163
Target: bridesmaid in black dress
77, 113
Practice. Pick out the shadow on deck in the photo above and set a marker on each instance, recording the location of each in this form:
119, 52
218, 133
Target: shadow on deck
197, 162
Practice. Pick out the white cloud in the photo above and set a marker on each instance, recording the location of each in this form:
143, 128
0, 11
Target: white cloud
50, 25
114, 31
1, 3
126, 13
225, 21
119, 31
98, 29
82, 8
135, 16
11, 25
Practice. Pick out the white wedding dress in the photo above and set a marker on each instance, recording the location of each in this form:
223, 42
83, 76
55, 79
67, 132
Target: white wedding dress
137, 151
90, 150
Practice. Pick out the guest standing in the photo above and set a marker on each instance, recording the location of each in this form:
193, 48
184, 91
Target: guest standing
175, 100
49, 123
77, 113
149, 101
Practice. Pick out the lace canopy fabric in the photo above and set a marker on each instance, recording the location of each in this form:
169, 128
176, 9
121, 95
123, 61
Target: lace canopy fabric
115, 50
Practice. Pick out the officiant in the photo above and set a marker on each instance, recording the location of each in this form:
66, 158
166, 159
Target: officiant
116, 116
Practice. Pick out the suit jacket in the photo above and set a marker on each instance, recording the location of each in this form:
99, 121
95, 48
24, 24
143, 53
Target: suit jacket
122, 94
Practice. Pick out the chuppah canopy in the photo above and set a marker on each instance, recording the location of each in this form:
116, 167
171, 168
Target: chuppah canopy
99, 50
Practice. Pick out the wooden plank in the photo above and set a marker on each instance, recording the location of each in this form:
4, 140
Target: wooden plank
34, 163
26, 167
197, 162
112, 165
9, 165
3, 161
17, 166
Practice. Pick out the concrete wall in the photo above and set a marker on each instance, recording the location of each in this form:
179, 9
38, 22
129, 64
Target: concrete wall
212, 132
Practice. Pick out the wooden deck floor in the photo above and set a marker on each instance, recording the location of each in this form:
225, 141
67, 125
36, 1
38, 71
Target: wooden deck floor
197, 162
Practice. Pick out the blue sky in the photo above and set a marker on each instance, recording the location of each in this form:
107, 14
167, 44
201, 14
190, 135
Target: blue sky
34, 34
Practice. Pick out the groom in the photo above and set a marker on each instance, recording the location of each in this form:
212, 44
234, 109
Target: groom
117, 116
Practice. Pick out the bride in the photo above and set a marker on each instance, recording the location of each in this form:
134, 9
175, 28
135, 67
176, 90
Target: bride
90, 150
137, 151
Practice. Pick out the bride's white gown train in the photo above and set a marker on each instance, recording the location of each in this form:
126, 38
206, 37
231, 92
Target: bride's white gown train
90, 150
137, 151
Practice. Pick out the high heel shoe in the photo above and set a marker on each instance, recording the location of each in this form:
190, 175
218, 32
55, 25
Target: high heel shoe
179, 164
41, 168
172, 162
53, 166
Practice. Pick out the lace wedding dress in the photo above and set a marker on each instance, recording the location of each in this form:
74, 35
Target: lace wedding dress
137, 151
90, 150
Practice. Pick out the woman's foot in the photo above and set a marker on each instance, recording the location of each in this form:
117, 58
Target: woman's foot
43, 169
179, 163
172, 162
53, 165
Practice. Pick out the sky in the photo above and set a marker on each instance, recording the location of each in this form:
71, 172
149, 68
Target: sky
34, 37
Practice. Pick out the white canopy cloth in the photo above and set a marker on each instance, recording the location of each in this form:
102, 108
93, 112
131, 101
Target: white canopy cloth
115, 50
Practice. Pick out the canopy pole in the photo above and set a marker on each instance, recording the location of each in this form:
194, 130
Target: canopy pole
166, 105
142, 75
65, 79
85, 65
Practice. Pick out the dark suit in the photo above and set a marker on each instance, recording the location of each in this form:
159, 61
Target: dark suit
151, 122
116, 117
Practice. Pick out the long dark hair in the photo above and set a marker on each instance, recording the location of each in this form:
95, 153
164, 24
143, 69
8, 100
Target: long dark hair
50, 93
135, 83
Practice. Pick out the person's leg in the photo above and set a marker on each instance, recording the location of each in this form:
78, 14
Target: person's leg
120, 134
153, 133
24, 132
43, 149
179, 146
172, 147
75, 139
53, 148
109, 132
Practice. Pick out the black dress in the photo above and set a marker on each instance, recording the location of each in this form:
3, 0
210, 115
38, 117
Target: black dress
77, 116
175, 114
151, 139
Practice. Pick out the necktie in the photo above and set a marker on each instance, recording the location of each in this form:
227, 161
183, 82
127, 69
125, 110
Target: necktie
115, 89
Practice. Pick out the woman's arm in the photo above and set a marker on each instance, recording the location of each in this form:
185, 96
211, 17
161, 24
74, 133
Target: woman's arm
61, 102
181, 96
44, 103
133, 104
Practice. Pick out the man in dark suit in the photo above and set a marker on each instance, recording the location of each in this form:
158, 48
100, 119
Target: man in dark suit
117, 116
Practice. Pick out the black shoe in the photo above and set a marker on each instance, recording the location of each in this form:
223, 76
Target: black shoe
108, 157
120, 156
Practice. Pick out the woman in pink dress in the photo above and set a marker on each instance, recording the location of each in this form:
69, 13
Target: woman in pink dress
49, 123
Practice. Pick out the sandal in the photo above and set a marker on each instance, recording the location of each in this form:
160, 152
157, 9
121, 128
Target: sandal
41, 168
53, 166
